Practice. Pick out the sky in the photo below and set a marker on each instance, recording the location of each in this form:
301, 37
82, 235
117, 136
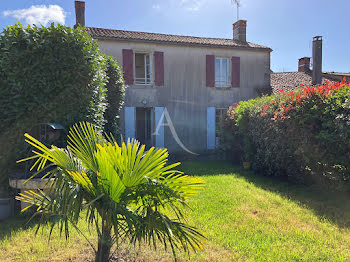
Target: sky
286, 26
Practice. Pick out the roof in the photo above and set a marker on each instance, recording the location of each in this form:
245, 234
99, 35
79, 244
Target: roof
337, 74
292, 80
111, 34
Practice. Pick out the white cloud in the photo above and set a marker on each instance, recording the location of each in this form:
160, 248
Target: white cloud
192, 5
157, 6
38, 14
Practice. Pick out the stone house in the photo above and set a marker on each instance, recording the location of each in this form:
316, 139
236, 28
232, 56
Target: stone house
178, 87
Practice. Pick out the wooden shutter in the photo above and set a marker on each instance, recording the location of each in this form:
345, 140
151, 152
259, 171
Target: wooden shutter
159, 68
211, 128
128, 66
159, 119
210, 70
236, 72
129, 123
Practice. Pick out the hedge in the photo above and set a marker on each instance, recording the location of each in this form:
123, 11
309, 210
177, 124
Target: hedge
303, 135
49, 74
115, 97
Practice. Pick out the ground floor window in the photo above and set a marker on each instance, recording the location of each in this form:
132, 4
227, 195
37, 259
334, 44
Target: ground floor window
145, 125
220, 114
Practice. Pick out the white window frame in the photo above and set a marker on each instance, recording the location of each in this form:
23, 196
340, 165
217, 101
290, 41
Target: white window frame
144, 81
227, 82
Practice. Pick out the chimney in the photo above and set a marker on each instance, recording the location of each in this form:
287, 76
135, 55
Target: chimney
317, 60
80, 13
240, 30
304, 64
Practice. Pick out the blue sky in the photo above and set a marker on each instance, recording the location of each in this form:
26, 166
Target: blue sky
287, 26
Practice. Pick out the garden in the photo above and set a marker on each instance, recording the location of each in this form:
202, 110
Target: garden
244, 217
112, 200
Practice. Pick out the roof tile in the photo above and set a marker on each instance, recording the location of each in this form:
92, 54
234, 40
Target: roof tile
292, 80
101, 33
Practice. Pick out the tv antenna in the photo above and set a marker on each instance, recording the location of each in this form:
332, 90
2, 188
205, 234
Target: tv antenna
238, 4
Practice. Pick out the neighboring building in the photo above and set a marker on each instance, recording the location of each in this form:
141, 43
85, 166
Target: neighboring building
289, 81
187, 80
337, 76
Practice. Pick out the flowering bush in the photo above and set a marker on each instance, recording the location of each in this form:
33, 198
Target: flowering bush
303, 134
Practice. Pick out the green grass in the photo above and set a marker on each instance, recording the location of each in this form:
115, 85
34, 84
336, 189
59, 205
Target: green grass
245, 218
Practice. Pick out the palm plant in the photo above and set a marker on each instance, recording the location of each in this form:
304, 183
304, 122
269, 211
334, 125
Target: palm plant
129, 193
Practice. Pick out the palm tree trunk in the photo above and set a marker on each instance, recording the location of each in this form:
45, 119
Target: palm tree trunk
104, 245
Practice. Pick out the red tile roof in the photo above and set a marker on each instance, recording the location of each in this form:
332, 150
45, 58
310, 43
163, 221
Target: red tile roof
101, 33
292, 80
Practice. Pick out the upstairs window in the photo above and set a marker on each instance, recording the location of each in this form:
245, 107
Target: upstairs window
143, 69
222, 75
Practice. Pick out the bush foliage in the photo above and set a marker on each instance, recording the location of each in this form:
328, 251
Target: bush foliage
115, 97
48, 74
303, 134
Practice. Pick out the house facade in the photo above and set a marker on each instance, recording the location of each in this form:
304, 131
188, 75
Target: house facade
179, 86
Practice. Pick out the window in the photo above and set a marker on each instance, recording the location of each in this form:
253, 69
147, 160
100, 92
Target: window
145, 125
220, 113
222, 76
143, 69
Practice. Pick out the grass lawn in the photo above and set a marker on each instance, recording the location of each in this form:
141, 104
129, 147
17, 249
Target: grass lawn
245, 218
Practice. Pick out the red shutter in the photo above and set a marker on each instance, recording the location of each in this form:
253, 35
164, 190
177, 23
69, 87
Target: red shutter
159, 68
210, 70
236, 72
128, 66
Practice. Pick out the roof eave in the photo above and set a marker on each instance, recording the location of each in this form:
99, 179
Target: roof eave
265, 49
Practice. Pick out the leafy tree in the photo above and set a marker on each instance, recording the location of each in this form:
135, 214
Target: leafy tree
47, 74
127, 192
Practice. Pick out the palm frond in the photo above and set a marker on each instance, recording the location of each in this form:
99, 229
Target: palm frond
125, 189
82, 142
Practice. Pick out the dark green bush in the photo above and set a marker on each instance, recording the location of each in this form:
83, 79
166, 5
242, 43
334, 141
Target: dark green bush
303, 135
115, 97
50, 74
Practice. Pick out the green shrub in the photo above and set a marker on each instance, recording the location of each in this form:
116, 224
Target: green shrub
50, 74
115, 97
304, 135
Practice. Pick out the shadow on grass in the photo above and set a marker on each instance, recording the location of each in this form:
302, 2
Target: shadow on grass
208, 168
326, 204
12, 225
